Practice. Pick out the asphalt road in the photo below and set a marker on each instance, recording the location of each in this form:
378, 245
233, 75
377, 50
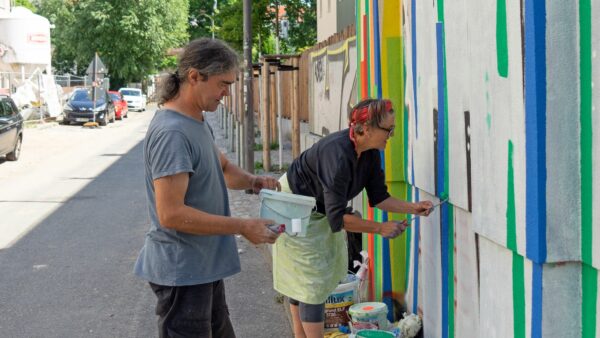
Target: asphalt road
72, 220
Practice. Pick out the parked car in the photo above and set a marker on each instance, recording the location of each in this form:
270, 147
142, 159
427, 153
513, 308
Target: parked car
80, 107
11, 129
121, 109
134, 97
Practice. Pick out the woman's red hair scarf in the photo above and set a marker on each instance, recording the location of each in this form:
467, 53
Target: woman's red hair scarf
361, 115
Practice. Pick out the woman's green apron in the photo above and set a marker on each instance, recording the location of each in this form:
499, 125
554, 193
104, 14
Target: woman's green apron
309, 268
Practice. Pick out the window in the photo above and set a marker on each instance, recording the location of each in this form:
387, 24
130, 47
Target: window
82, 95
6, 109
130, 92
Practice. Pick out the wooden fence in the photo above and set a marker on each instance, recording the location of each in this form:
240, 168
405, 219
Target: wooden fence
294, 87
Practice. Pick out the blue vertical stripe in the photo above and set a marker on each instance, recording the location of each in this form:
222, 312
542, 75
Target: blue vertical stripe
536, 300
535, 129
535, 150
439, 28
413, 19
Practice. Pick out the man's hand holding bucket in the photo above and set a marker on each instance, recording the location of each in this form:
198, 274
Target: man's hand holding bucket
265, 182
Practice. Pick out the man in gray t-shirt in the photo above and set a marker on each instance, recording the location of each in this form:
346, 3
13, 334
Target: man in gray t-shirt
190, 246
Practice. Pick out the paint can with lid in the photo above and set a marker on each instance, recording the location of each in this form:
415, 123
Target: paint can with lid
374, 334
369, 315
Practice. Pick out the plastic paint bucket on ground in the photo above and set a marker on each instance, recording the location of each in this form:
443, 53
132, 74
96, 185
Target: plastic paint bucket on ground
370, 315
340, 300
289, 209
374, 334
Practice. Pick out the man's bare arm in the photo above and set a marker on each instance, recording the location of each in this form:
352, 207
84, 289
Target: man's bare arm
174, 214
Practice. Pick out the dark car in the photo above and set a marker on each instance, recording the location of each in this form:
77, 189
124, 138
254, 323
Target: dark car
11, 129
81, 108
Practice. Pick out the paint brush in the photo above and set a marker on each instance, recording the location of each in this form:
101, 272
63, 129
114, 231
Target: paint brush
277, 228
410, 220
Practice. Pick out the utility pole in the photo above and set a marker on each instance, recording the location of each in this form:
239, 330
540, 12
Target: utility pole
278, 80
249, 106
94, 79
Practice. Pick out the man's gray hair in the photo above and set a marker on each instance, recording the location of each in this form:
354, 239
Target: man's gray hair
208, 56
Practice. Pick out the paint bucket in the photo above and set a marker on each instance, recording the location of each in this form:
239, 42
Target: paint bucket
374, 334
339, 301
369, 316
289, 209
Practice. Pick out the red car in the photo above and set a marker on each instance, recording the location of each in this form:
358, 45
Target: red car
121, 110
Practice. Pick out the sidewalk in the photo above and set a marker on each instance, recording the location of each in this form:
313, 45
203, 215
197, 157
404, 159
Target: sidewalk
253, 304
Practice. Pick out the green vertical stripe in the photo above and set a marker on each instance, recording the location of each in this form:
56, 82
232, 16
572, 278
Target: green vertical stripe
396, 94
501, 38
585, 41
518, 282
398, 245
377, 250
450, 271
518, 278
589, 273
511, 221
440, 8
589, 278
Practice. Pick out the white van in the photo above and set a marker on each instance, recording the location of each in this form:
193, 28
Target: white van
136, 100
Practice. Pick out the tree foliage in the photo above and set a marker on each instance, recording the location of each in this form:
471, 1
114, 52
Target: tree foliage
231, 16
131, 36
301, 15
60, 14
200, 13
25, 3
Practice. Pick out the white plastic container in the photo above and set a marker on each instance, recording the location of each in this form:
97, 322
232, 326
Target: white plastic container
340, 300
289, 209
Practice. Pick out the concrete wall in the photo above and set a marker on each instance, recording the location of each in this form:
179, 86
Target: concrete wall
4, 7
326, 19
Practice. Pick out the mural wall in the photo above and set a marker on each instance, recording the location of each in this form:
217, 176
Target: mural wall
332, 71
495, 105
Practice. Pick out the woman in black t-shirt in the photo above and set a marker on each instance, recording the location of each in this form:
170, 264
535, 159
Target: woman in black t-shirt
334, 171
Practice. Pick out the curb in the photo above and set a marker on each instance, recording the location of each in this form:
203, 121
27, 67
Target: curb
39, 125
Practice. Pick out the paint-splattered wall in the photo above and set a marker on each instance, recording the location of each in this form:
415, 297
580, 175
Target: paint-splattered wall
495, 105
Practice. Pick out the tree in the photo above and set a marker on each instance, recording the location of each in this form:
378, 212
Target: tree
25, 3
60, 14
302, 18
232, 28
132, 39
200, 13
301, 15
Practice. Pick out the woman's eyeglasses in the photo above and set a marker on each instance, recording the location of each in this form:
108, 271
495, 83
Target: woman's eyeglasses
390, 130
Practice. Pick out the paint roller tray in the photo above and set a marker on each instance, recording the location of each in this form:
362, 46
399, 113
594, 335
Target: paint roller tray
289, 209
